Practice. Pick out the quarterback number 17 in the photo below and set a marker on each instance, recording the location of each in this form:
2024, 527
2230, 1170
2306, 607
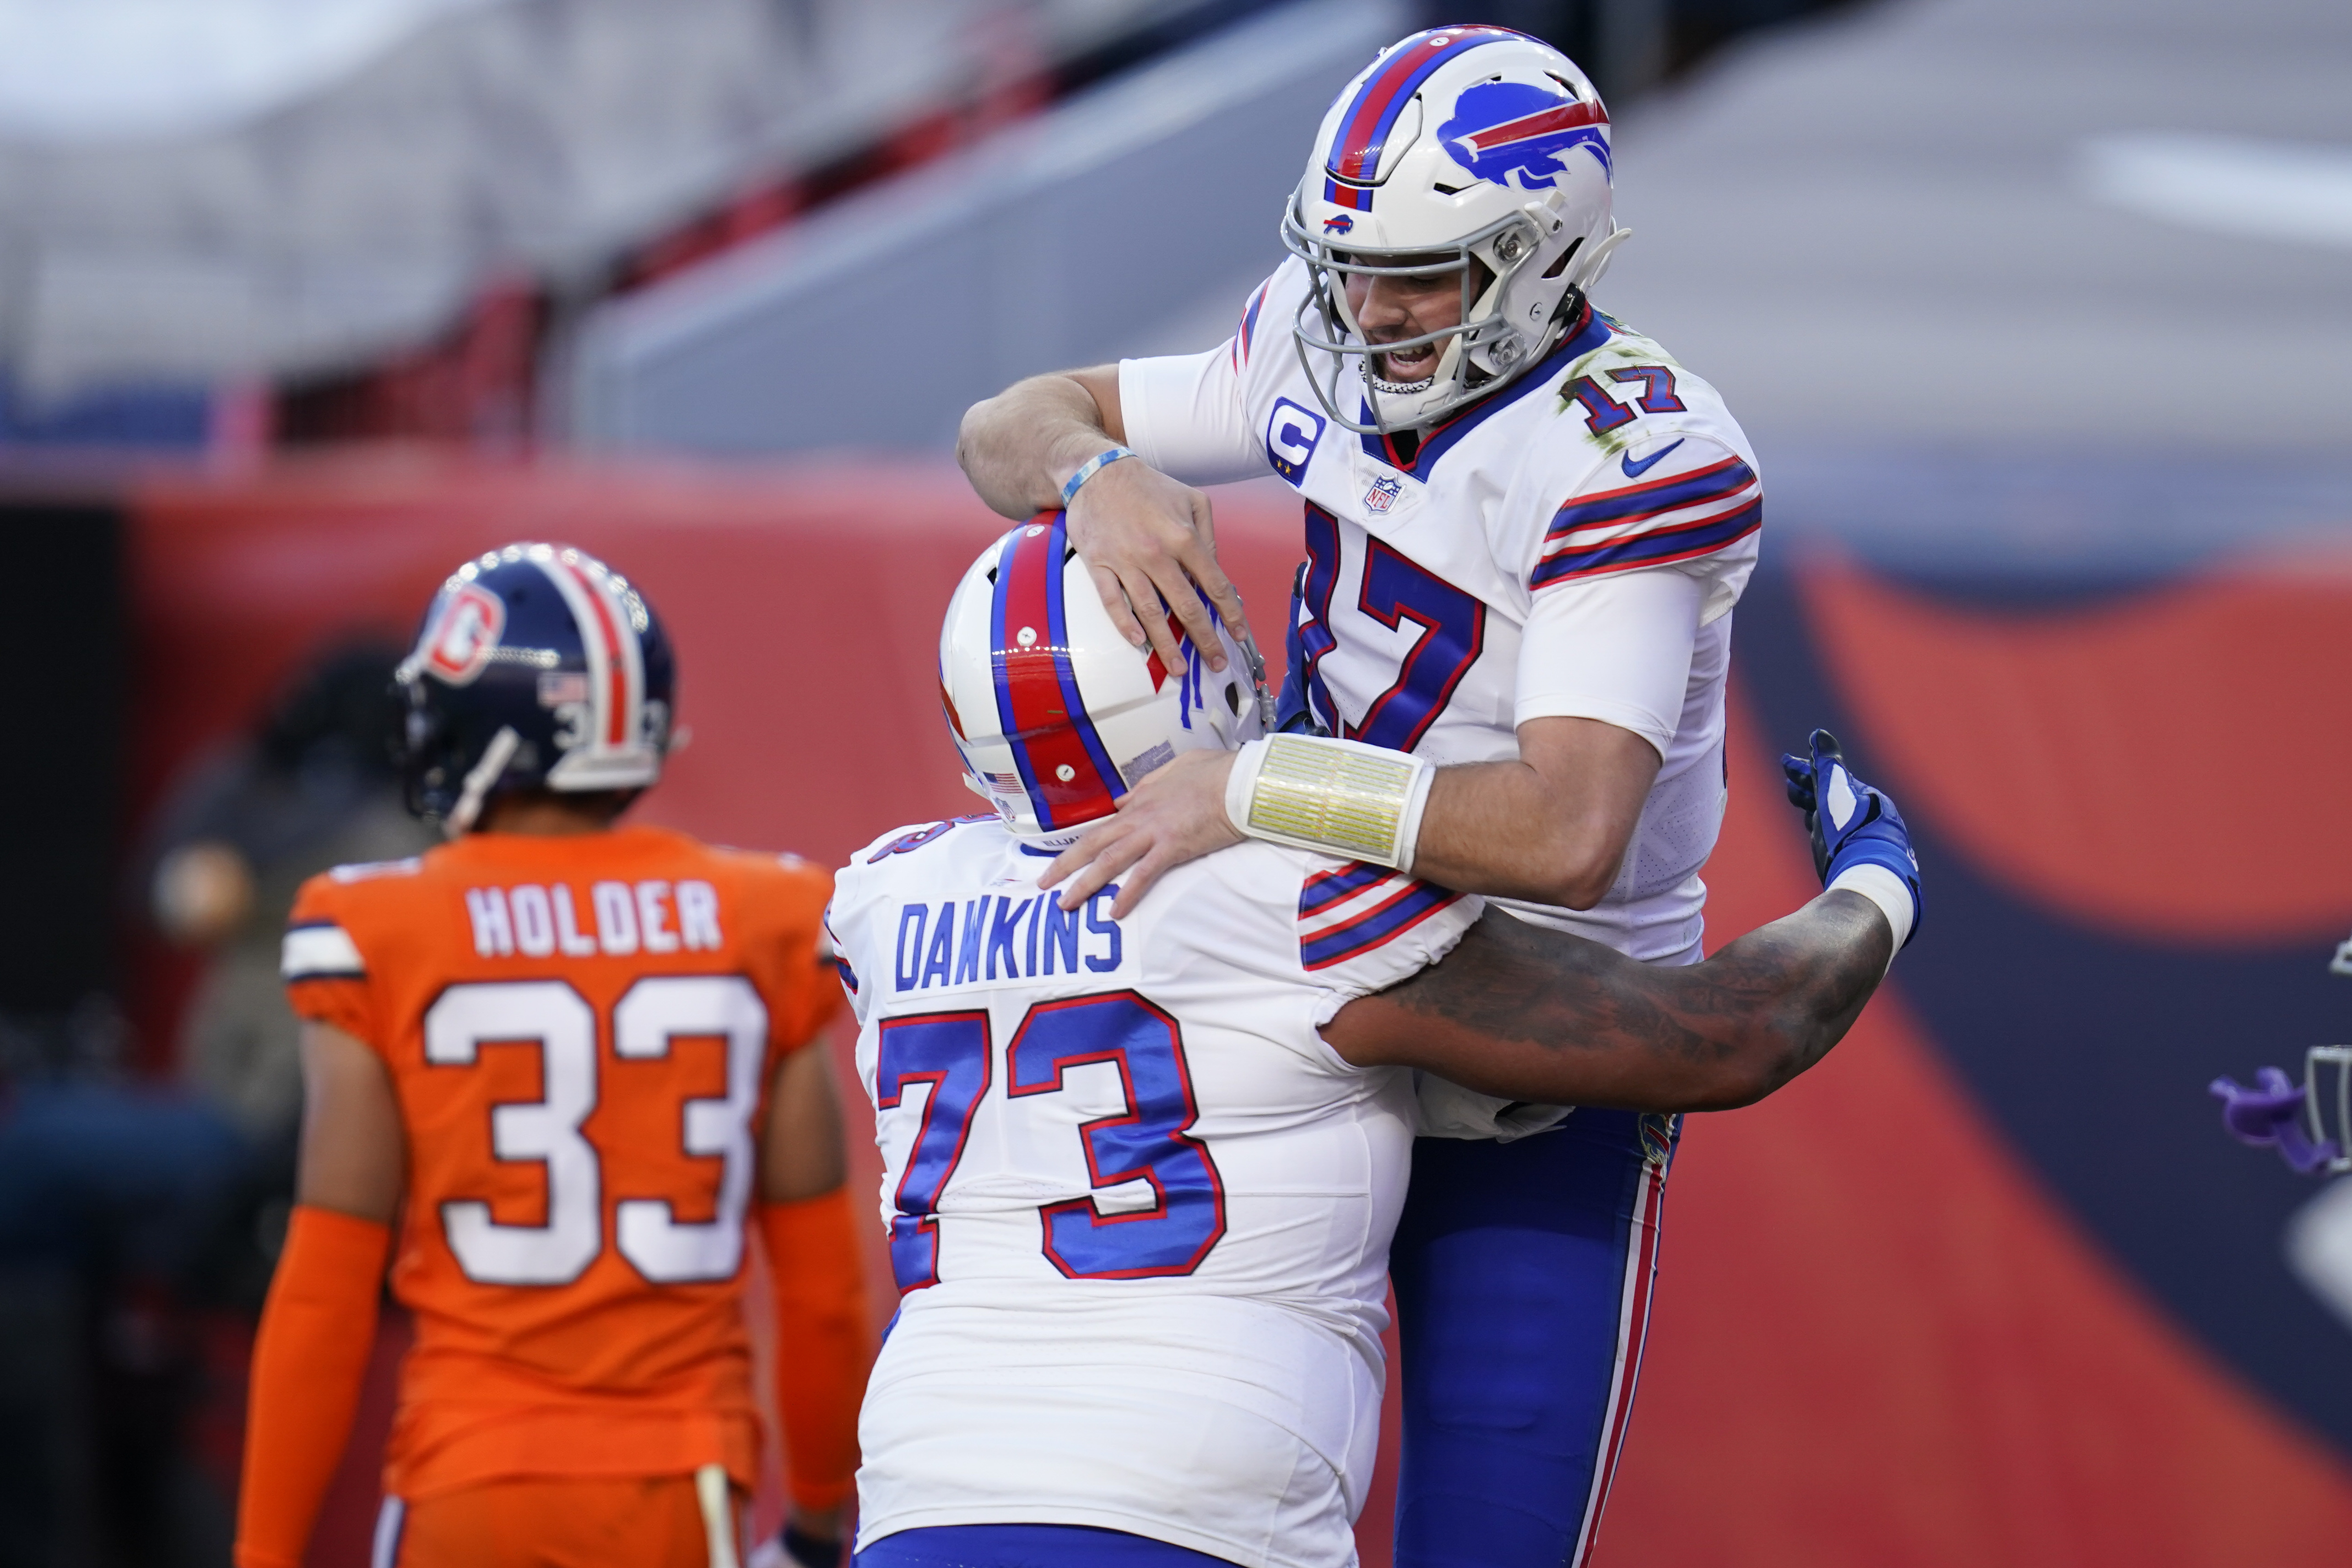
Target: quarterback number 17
1394, 590
1147, 1141
1603, 413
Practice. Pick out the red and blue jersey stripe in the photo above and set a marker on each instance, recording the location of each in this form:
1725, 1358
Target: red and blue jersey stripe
1352, 162
1243, 334
1327, 888
1651, 524
1356, 908
1062, 763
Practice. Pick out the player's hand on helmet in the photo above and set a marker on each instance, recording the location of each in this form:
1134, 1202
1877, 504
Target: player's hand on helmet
1851, 823
1177, 814
1147, 540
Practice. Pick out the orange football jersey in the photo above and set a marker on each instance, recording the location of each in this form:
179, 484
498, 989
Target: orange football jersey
581, 1032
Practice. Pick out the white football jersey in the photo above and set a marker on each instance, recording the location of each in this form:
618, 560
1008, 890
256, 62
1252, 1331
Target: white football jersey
1572, 545
1140, 1213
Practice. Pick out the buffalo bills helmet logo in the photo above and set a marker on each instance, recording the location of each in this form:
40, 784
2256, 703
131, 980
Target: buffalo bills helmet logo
1339, 225
1504, 128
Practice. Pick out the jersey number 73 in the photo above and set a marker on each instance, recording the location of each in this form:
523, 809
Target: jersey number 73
1148, 1141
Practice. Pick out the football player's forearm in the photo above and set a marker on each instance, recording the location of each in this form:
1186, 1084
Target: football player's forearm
1789, 991
1531, 1014
816, 1276
309, 1361
1495, 828
1018, 446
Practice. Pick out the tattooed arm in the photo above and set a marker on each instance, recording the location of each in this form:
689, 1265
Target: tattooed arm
1532, 1014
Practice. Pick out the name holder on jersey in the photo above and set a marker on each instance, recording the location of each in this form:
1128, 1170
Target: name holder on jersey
617, 919
998, 936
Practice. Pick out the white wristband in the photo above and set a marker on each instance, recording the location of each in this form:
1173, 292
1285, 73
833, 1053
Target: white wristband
1337, 797
1884, 889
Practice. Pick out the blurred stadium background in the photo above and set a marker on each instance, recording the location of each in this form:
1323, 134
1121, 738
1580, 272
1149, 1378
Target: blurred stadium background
2040, 312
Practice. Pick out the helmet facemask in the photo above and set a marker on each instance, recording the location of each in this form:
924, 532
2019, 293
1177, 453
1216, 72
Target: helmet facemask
1487, 347
1533, 292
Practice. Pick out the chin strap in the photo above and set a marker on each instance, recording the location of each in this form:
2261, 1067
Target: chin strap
481, 781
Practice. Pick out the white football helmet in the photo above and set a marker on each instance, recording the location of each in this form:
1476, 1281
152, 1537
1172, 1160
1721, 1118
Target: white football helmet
1057, 715
1459, 145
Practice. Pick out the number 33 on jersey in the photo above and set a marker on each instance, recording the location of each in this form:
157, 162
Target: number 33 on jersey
580, 1034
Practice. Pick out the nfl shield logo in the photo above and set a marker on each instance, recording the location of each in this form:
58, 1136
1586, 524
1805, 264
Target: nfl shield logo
1382, 495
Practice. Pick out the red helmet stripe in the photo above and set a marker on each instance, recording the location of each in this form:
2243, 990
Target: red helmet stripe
1036, 693
1568, 116
1355, 153
616, 672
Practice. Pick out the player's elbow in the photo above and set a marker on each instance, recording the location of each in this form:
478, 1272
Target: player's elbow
971, 437
1573, 877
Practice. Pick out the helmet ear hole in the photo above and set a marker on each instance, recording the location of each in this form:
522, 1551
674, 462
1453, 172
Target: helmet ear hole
1557, 268
1233, 698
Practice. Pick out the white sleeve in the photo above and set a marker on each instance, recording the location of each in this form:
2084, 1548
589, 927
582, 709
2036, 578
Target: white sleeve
1615, 647
860, 954
1184, 416
1363, 927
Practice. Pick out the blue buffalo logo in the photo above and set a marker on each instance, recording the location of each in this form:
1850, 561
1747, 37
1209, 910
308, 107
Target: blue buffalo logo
1503, 128
1340, 225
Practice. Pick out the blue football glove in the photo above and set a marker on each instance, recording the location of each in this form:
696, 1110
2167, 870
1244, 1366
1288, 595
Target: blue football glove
1851, 823
2270, 1116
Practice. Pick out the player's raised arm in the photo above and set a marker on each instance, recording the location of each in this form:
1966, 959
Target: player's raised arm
1058, 440
1528, 1013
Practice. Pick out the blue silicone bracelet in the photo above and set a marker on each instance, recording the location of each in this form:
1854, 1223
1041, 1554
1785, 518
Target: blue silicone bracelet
1092, 466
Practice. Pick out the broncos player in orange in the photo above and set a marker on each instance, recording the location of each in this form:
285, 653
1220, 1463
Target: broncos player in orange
554, 1070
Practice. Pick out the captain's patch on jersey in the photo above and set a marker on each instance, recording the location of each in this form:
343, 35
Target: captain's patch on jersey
1291, 434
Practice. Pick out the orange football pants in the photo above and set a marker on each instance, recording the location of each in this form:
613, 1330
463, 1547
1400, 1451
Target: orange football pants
599, 1521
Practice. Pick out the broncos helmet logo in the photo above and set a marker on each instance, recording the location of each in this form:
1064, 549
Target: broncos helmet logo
1503, 128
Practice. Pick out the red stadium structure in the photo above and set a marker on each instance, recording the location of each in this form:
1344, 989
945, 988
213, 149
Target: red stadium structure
1986, 1287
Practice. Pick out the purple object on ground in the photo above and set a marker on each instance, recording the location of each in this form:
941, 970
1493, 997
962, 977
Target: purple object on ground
2270, 1116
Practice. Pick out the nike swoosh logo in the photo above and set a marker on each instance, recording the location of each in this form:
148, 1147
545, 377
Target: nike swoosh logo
1634, 470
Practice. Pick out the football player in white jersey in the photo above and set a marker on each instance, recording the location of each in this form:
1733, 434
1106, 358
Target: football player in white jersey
1527, 526
1142, 1167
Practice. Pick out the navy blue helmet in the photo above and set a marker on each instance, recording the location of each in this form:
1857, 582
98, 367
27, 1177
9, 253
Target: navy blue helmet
537, 666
